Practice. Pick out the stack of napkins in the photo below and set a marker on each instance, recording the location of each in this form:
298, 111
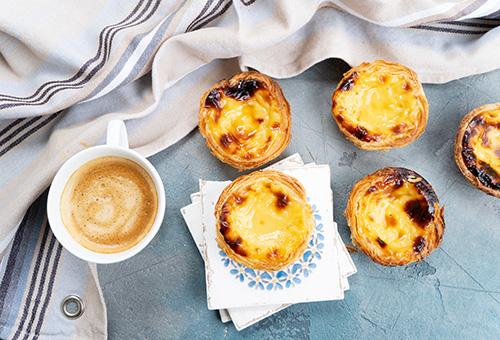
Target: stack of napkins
247, 296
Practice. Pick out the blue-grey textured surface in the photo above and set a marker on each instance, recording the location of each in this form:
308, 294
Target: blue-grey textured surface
453, 294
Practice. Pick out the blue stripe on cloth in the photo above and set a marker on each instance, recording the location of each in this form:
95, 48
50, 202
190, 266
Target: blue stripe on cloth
43, 312
30, 132
26, 152
142, 60
33, 280
47, 90
27, 122
168, 96
213, 15
458, 31
200, 15
392, 37
11, 272
56, 274
23, 259
103, 36
10, 126
473, 23
71, 280
44, 286
150, 49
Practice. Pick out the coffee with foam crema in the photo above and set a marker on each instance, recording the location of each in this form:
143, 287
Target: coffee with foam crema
109, 204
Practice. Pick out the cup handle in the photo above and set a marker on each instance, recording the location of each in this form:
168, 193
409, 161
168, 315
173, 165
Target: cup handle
117, 133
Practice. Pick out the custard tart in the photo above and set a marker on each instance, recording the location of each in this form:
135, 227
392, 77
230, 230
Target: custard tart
246, 120
477, 148
380, 105
394, 217
263, 220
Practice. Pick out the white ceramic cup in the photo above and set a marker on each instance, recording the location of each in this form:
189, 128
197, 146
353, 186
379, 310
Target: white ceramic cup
116, 145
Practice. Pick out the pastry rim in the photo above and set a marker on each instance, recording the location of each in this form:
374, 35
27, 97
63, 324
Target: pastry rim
418, 93
280, 143
458, 149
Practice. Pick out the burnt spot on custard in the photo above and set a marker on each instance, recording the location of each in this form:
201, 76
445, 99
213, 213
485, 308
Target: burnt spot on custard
419, 244
225, 228
421, 210
349, 82
239, 200
485, 141
358, 131
236, 245
244, 90
407, 87
273, 254
226, 139
224, 224
381, 243
213, 100
488, 176
418, 211
362, 134
281, 200
398, 128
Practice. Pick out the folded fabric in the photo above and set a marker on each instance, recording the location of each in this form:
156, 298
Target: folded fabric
67, 68
37, 275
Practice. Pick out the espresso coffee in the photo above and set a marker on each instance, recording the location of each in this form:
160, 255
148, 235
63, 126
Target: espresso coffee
109, 204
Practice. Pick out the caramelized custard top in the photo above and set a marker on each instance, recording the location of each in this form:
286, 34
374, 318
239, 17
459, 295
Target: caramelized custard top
374, 104
481, 147
244, 119
265, 221
397, 213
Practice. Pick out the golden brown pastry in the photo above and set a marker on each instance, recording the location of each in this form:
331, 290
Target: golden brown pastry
380, 105
477, 148
394, 217
263, 220
246, 120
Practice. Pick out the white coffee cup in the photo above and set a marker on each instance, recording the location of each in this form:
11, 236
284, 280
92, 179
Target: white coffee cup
116, 145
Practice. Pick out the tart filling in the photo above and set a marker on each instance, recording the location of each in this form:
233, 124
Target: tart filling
263, 220
246, 120
380, 105
394, 217
477, 148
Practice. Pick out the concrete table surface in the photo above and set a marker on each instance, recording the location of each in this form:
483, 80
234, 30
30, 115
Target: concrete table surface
453, 294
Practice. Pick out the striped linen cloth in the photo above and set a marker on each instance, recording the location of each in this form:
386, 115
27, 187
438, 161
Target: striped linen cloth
68, 67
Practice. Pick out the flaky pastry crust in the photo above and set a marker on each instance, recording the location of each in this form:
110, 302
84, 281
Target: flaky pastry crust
246, 120
263, 220
380, 105
394, 217
477, 148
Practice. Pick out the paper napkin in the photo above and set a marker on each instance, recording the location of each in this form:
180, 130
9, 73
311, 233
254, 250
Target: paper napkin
326, 259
